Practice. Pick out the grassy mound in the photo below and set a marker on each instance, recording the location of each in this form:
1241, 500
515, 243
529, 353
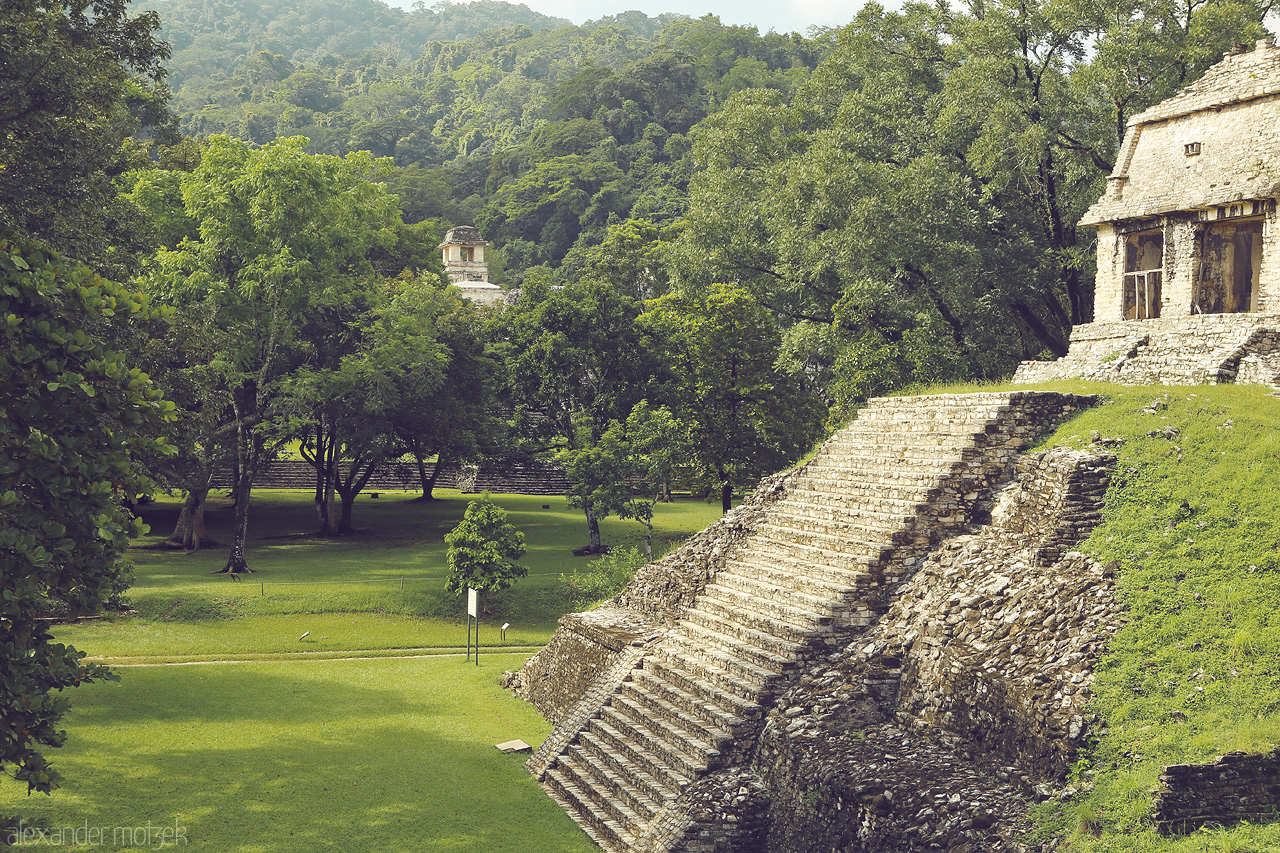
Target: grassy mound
1193, 525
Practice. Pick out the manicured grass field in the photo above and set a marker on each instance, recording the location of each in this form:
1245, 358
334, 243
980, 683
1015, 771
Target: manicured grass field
380, 590
229, 725
283, 757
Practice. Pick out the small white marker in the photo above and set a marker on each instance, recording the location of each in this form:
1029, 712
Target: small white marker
305, 634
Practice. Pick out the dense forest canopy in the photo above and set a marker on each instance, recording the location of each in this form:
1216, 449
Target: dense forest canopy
541, 132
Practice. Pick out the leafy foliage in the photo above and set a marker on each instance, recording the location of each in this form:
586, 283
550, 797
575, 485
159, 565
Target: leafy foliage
75, 416
76, 79
541, 136
919, 193
284, 236
483, 549
604, 577
745, 418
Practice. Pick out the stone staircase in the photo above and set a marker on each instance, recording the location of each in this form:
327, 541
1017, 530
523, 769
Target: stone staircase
818, 568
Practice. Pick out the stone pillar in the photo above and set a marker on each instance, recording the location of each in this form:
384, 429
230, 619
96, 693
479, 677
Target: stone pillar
1267, 298
1181, 265
1108, 289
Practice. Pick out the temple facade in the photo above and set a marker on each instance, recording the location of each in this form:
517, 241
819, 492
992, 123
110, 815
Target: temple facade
1188, 222
1188, 283
464, 263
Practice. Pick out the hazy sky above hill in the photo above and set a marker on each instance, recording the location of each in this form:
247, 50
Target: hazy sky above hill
781, 15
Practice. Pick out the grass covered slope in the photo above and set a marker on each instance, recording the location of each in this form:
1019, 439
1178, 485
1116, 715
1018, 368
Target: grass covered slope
1192, 523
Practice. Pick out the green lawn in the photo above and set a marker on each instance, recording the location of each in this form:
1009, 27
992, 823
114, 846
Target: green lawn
380, 590
272, 742
282, 757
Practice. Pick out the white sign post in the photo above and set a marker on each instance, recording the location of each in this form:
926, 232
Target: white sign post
473, 612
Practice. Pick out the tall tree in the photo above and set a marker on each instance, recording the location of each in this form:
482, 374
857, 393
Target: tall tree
452, 419
280, 231
77, 77
746, 418
577, 365
76, 416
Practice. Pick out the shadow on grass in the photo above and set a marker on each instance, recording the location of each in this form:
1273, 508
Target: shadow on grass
303, 757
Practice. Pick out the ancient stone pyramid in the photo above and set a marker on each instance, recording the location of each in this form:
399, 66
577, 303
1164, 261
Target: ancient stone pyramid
818, 565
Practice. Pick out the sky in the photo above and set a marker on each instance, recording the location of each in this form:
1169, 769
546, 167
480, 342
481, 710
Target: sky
781, 15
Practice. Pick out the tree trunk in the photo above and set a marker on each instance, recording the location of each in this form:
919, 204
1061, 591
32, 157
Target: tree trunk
189, 533
248, 454
349, 488
344, 520
726, 496
593, 531
236, 562
428, 481
322, 460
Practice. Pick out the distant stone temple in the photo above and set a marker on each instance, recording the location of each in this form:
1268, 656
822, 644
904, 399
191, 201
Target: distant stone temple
1188, 283
464, 263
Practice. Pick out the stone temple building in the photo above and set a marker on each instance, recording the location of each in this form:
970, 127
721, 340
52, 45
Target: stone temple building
464, 263
1188, 282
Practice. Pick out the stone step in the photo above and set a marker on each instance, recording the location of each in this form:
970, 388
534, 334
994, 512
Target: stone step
875, 469
832, 479
776, 657
869, 512
799, 560
991, 402
686, 753
781, 638
714, 697
697, 652
954, 423
806, 613
851, 605
636, 755
905, 445
854, 540
850, 528
926, 449
658, 789
672, 702
609, 834
608, 793
681, 721
706, 678
813, 490
772, 587
815, 504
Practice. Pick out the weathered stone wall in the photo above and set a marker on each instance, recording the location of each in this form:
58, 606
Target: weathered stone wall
1236, 787
1205, 349
585, 646
930, 731
665, 589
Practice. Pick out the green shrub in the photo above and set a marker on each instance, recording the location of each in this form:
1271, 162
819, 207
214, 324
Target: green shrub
603, 578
